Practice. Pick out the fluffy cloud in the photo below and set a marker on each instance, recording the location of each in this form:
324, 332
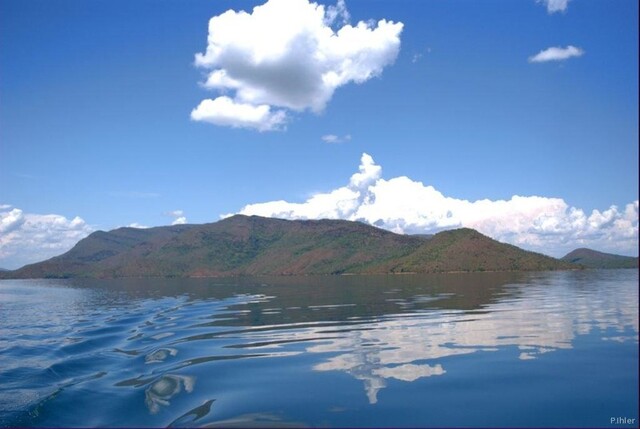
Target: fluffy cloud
337, 11
402, 205
26, 238
287, 55
226, 112
556, 53
554, 6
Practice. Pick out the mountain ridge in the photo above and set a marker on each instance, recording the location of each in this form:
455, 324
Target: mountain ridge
251, 245
594, 259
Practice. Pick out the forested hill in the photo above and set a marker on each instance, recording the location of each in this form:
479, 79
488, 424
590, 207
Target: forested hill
251, 245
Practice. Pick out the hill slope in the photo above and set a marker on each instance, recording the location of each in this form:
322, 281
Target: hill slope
594, 259
242, 245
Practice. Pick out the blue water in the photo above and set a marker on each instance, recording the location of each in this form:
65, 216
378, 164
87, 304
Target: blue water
492, 349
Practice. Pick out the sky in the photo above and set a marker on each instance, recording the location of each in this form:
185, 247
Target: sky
516, 118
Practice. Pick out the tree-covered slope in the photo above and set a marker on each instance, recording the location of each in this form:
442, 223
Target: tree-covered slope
242, 245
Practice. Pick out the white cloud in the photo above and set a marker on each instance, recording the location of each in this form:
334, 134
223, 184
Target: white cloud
402, 205
179, 221
337, 11
556, 53
179, 217
226, 112
332, 138
26, 238
137, 225
554, 6
286, 55
10, 221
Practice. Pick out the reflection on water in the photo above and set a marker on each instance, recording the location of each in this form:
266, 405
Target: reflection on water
160, 391
160, 355
192, 416
536, 318
293, 351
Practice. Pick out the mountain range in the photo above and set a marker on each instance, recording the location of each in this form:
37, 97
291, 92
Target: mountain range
252, 245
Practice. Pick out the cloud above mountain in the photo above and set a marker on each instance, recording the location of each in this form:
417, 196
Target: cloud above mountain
284, 56
400, 204
27, 237
178, 216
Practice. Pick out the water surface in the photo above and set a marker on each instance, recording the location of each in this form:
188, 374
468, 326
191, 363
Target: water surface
491, 349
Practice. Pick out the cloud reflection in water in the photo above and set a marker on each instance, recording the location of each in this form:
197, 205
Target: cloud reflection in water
537, 319
160, 391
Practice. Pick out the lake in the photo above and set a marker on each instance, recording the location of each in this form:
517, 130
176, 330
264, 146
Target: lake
488, 349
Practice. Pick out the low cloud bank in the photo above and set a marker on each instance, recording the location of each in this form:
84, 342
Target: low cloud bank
26, 238
400, 204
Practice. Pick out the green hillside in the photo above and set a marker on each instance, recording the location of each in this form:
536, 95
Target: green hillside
467, 250
242, 245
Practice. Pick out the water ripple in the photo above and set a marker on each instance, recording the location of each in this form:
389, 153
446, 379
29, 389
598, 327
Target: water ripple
168, 359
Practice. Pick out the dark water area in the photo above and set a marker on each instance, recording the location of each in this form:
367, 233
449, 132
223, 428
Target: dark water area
491, 349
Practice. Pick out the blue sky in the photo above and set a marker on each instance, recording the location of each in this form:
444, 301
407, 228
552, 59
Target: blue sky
96, 124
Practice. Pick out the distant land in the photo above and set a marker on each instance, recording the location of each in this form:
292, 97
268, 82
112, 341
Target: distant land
594, 259
252, 245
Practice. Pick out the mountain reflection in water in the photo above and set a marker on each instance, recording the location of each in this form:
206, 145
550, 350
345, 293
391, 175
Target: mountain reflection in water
257, 351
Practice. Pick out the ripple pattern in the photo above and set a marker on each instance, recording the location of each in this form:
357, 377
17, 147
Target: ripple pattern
189, 354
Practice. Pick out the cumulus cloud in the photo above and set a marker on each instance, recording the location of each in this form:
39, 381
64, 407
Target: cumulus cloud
287, 55
338, 11
26, 238
226, 112
178, 217
403, 205
332, 138
556, 53
554, 6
